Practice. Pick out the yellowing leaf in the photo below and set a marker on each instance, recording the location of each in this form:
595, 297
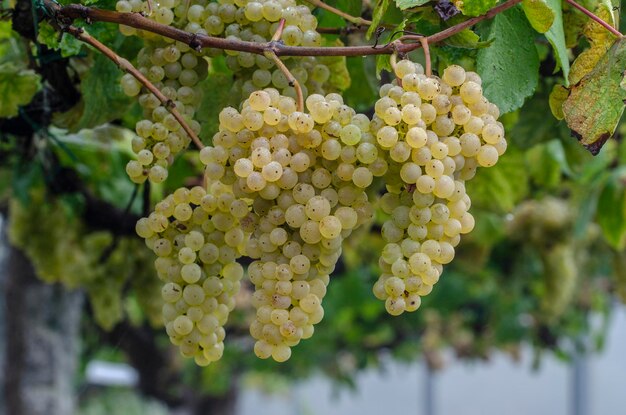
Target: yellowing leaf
600, 40
17, 88
557, 97
596, 103
539, 14
474, 7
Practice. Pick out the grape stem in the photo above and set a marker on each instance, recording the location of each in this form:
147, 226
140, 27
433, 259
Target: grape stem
290, 78
356, 20
127, 67
424, 42
283, 68
279, 30
66, 14
596, 19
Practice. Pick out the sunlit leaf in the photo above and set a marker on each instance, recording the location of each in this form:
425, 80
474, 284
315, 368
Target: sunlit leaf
539, 14
17, 88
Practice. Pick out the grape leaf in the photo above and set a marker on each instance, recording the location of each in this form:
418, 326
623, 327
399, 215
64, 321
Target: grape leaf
377, 15
502, 186
466, 39
363, 89
102, 97
17, 87
596, 103
557, 97
475, 7
67, 44
611, 214
407, 4
533, 127
540, 15
600, 41
216, 95
556, 37
510, 66
547, 163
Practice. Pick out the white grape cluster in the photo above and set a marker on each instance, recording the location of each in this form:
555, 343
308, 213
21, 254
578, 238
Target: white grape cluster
305, 175
197, 239
434, 133
248, 20
257, 21
175, 70
286, 186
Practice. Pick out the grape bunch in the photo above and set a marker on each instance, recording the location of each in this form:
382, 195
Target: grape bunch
287, 186
176, 71
257, 21
197, 240
434, 133
294, 166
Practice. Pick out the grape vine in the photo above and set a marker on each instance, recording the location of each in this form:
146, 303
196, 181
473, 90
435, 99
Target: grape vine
293, 170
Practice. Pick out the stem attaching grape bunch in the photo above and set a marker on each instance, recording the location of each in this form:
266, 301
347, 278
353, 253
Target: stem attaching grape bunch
434, 133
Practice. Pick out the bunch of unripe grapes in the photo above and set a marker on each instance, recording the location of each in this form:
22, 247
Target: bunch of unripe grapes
434, 133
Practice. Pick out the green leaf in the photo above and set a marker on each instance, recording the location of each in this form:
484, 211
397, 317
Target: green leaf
216, 95
539, 14
502, 186
364, 86
377, 15
67, 44
407, 4
596, 103
611, 213
383, 63
557, 97
475, 7
17, 88
102, 97
510, 66
547, 163
467, 39
556, 37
